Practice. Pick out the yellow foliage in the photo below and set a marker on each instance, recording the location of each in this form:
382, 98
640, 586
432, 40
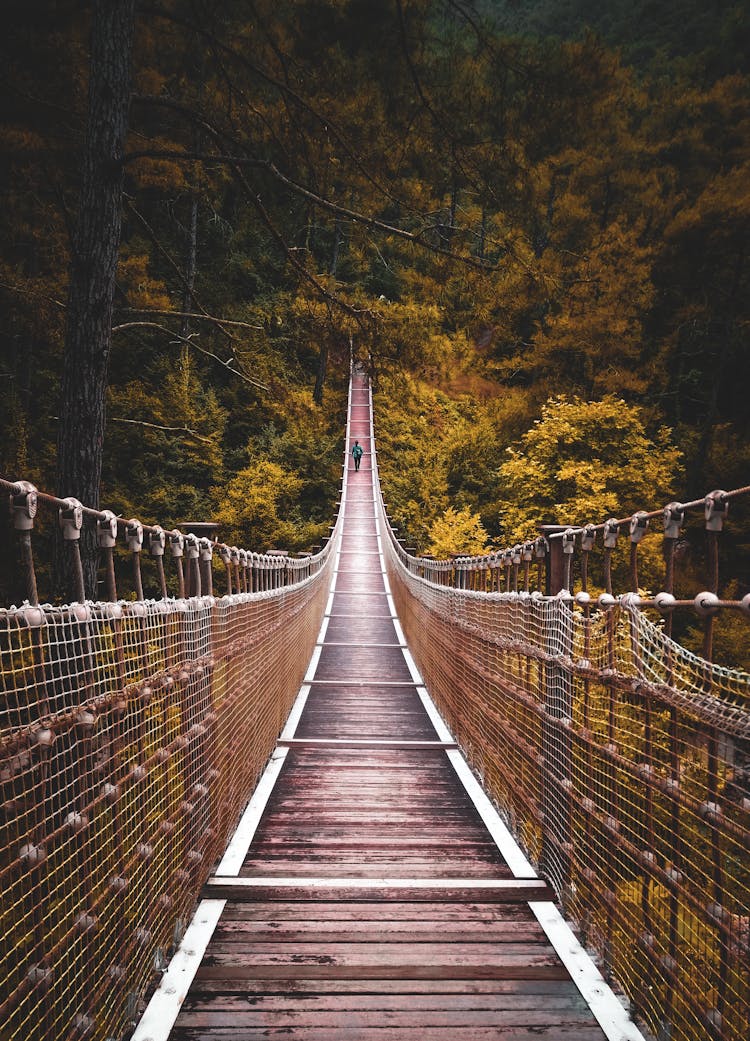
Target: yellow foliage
142, 290
457, 531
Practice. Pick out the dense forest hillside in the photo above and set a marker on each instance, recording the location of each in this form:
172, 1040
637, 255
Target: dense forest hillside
519, 224
711, 39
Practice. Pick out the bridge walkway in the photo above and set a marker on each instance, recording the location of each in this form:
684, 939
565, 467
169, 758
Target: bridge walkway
371, 902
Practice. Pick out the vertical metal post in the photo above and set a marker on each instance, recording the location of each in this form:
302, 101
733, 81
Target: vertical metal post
134, 540
558, 713
157, 541
716, 509
71, 522
23, 507
106, 537
177, 546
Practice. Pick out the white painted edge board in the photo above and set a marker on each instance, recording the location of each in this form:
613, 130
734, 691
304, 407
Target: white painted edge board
608, 1010
236, 851
292, 722
162, 1010
313, 664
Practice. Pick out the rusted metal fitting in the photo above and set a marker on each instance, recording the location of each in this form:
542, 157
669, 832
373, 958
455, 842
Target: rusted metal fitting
23, 505
205, 548
83, 1025
665, 602
106, 529
716, 510
707, 603
71, 519
86, 720
31, 616
111, 793
611, 532
674, 516
40, 976
588, 538
176, 542
568, 541
76, 822
30, 854
638, 526
44, 738
134, 535
157, 541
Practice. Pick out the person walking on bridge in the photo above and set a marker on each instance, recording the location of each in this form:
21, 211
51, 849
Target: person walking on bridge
357, 452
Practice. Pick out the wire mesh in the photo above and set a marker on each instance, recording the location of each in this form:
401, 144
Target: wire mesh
131, 738
622, 762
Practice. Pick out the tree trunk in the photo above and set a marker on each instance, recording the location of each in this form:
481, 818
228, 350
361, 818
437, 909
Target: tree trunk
191, 265
93, 266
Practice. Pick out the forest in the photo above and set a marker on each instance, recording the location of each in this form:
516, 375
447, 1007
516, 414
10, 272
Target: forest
529, 220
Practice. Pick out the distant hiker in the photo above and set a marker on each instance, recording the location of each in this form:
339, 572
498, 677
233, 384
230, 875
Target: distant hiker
357, 453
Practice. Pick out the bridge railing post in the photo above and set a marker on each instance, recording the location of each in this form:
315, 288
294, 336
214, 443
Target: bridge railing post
556, 780
23, 504
177, 547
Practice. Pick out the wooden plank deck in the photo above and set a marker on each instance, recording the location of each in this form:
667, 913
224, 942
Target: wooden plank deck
373, 904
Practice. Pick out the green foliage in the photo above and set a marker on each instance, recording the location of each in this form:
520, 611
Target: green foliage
705, 36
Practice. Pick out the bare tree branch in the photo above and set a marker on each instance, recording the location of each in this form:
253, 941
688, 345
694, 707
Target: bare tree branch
287, 92
158, 426
189, 314
190, 341
33, 293
173, 263
367, 220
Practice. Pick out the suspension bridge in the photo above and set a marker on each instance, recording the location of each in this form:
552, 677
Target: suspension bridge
351, 795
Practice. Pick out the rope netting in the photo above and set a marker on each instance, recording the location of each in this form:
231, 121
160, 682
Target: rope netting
621, 761
132, 736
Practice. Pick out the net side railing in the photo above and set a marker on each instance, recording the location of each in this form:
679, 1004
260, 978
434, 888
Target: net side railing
132, 734
620, 759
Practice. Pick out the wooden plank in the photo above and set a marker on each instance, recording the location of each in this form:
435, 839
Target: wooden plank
415, 889
245, 965
358, 643
375, 683
357, 990
297, 1005
385, 1018
242, 932
364, 912
351, 1032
